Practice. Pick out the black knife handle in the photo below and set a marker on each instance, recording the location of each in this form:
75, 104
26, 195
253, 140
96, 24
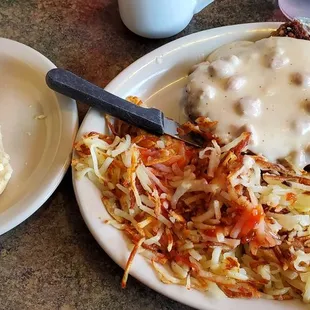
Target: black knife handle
73, 86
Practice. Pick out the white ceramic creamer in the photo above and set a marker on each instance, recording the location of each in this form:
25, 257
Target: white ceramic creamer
157, 19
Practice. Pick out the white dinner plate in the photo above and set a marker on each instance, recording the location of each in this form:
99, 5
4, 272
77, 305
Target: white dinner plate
39, 148
158, 79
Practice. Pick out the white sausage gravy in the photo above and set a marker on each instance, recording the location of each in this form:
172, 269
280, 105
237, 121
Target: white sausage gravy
262, 87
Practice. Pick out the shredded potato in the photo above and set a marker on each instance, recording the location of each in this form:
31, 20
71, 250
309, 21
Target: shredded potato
215, 219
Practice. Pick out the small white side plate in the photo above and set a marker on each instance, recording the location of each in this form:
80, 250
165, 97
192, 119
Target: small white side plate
39, 148
158, 79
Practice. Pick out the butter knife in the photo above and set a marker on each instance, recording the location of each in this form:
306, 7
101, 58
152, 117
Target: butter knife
149, 119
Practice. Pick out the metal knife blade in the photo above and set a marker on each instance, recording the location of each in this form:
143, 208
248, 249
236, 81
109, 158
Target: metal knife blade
171, 129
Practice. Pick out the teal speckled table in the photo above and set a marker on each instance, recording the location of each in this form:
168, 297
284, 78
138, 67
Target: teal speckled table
51, 261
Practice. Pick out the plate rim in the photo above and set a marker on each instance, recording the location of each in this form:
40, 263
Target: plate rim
69, 128
116, 84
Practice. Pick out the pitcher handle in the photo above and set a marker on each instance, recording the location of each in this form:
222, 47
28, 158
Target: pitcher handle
201, 4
